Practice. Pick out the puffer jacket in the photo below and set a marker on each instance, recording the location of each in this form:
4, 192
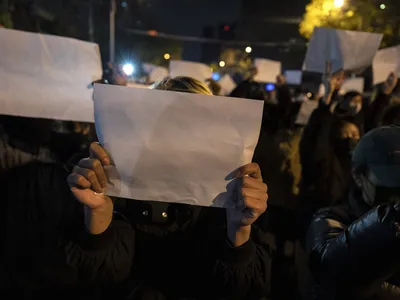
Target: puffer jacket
354, 251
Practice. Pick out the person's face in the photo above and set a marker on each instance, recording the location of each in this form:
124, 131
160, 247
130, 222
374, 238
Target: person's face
280, 79
374, 192
350, 131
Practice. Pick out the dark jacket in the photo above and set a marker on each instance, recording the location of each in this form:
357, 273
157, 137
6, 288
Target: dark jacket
353, 255
172, 251
44, 251
325, 177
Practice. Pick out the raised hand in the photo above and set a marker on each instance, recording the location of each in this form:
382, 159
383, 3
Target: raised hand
88, 180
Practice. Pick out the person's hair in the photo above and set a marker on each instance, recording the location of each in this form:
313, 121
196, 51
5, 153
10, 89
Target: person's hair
392, 116
182, 84
351, 94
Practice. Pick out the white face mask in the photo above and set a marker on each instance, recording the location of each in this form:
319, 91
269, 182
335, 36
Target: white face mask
354, 109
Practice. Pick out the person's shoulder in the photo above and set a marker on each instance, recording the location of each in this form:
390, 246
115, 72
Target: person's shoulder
342, 213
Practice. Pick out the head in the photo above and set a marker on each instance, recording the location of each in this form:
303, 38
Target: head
345, 138
376, 166
280, 79
352, 103
182, 84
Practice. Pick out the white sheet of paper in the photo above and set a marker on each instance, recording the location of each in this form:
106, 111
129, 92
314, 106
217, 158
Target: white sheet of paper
348, 50
155, 73
175, 147
306, 109
267, 69
293, 76
353, 84
47, 76
195, 70
385, 62
227, 84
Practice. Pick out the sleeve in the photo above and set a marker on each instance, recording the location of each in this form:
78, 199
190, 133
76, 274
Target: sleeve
375, 111
105, 258
355, 260
244, 272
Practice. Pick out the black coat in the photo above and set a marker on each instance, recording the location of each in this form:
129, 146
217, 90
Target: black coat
182, 256
45, 250
353, 255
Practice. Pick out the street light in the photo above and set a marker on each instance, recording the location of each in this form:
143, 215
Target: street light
167, 56
248, 49
338, 3
222, 64
383, 6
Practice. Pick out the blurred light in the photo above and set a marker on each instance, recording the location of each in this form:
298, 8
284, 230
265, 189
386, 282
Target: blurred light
222, 64
226, 28
216, 76
212, 70
350, 13
124, 4
338, 3
270, 87
167, 56
128, 69
309, 95
152, 32
248, 49
383, 6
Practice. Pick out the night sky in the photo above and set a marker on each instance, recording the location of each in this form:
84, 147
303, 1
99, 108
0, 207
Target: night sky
188, 17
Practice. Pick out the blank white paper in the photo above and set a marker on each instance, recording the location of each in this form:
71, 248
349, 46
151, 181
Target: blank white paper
385, 62
195, 70
267, 69
174, 147
227, 84
44, 76
353, 84
348, 50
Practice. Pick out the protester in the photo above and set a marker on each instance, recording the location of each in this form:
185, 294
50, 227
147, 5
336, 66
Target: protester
392, 116
155, 250
353, 247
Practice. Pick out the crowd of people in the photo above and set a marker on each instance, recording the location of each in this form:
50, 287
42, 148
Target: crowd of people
318, 217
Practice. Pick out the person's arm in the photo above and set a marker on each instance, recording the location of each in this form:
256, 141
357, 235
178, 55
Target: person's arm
354, 260
374, 113
105, 257
244, 272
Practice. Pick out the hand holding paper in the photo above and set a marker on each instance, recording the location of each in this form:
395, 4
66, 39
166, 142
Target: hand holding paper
175, 147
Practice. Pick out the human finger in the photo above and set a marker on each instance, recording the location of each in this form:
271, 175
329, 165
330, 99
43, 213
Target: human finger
255, 205
253, 170
249, 182
252, 193
96, 166
98, 152
90, 176
76, 180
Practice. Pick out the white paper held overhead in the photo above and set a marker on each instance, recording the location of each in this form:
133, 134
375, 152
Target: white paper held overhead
353, 84
175, 147
195, 70
385, 62
155, 73
227, 84
46, 76
267, 70
306, 109
293, 76
348, 50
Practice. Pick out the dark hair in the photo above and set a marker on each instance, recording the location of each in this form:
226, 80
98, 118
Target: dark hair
351, 95
392, 116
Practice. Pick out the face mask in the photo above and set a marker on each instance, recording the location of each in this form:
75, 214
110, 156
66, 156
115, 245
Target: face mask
375, 195
345, 146
354, 109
